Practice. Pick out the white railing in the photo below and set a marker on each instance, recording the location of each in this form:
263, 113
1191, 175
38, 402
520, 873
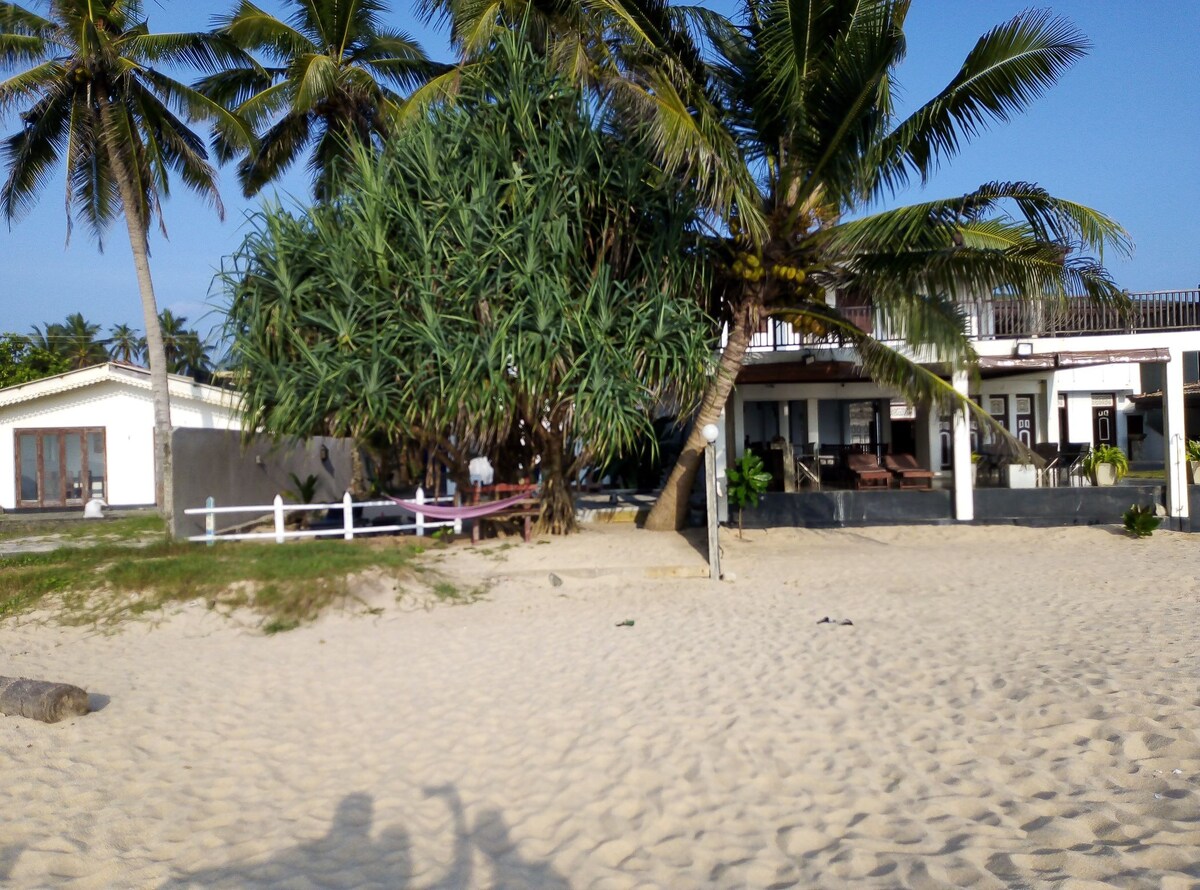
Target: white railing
348, 529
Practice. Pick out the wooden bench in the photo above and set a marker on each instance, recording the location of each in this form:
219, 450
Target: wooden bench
527, 509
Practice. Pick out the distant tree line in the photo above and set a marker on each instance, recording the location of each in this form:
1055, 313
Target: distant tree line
75, 343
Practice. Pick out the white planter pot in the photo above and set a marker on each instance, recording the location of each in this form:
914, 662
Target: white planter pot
1021, 476
974, 474
1104, 474
1194, 471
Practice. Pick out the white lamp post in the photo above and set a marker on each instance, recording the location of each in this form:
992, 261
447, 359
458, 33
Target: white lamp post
710, 433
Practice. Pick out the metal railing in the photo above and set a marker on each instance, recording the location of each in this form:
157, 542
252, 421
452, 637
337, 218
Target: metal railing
1002, 318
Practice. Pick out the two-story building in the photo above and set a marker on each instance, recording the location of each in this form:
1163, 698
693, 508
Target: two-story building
1057, 374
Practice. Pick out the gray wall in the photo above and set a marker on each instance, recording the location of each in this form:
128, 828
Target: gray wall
214, 463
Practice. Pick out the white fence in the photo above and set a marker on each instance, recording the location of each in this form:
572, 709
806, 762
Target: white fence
348, 530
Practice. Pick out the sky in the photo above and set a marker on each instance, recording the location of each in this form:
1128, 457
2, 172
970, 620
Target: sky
1120, 133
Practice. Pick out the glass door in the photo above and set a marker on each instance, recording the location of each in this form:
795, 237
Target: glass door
57, 468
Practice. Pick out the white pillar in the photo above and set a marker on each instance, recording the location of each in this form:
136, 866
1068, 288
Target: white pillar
1050, 408
739, 424
964, 494
785, 431
722, 463
1175, 441
812, 406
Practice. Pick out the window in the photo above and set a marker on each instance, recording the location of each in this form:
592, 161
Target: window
59, 467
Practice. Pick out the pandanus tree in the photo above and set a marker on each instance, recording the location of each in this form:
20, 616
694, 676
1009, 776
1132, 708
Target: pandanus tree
93, 99
509, 274
327, 79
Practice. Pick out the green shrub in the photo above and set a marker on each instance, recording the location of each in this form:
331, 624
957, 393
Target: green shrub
1140, 521
744, 482
1193, 450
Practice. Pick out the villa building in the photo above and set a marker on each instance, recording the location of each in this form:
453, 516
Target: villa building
90, 434
1062, 376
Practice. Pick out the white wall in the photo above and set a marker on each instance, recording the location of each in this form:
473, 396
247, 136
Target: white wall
126, 414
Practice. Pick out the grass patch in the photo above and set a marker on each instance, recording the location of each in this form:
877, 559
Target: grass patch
287, 584
85, 531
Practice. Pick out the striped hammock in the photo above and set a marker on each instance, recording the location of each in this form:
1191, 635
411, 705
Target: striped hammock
475, 511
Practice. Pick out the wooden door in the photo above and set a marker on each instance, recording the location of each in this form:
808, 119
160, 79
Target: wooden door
1026, 425
1104, 419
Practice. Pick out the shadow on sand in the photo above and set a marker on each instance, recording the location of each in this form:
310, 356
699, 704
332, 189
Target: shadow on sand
385, 860
8, 860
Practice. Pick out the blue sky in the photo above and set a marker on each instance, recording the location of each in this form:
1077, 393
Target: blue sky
1120, 132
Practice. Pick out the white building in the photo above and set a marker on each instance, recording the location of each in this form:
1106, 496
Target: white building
1053, 374
90, 433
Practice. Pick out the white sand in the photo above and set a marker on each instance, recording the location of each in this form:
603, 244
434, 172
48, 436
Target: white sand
1011, 708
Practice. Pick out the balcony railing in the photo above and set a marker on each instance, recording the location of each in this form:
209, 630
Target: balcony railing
1006, 318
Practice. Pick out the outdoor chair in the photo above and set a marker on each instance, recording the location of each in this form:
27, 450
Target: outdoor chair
1070, 461
908, 473
1047, 474
866, 471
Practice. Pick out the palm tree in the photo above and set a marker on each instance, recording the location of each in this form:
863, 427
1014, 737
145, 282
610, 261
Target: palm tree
797, 103
330, 80
92, 96
73, 340
124, 344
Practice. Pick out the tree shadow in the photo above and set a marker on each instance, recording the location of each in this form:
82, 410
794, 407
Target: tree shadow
385, 860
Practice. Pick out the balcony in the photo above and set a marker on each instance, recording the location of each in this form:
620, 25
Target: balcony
1005, 318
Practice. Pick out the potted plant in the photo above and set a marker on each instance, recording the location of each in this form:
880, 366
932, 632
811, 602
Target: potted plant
976, 457
1021, 475
1193, 459
1106, 464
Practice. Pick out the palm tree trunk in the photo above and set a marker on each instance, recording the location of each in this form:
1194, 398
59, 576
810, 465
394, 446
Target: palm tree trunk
156, 357
670, 510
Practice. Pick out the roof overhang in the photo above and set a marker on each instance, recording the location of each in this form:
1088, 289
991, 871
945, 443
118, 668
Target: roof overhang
1049, 361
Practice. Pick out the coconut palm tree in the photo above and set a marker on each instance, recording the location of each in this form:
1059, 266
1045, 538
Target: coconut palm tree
92, 97
329, 82
74, 340
124, 344
803, 91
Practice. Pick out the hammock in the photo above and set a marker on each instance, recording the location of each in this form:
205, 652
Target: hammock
437, 511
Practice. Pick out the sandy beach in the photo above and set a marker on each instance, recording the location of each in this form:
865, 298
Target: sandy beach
1009, 708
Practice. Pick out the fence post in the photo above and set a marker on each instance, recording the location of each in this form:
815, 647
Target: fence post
420, 499
278, 519
457, 519
347, 517
210, 522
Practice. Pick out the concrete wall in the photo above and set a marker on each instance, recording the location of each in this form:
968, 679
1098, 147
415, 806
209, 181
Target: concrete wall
214, 463
125, 413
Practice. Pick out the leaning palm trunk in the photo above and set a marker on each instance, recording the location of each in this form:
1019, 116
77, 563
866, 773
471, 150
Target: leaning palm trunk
156, 355
670, 510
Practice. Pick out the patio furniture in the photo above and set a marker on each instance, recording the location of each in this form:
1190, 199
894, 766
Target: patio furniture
808, 466
1070, 461
908, 473
1047, 474
866, 471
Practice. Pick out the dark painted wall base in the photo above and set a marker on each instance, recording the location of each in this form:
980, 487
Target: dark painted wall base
1029, 507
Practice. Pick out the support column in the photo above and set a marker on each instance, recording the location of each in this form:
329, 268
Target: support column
814, 421
1050, 407
964, 493
1175, 442
739, 424
785, 431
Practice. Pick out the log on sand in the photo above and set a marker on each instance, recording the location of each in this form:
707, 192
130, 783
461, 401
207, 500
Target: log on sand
38, 700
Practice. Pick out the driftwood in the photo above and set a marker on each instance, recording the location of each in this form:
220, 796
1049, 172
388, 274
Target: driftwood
38, 700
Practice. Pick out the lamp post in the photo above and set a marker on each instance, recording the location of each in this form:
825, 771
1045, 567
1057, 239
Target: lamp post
710, 433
